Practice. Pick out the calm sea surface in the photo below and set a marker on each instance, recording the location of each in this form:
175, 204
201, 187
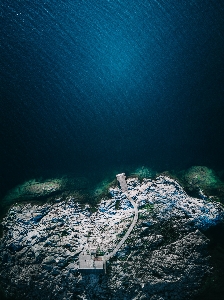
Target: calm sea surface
102, 85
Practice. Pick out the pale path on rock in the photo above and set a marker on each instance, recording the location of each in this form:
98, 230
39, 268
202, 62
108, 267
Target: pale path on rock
135, 219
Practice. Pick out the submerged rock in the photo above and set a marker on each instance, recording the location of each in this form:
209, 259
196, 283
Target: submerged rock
164, 257
33, 189
201, 177
144, 172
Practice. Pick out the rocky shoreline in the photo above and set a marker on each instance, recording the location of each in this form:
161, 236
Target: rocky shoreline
165, 256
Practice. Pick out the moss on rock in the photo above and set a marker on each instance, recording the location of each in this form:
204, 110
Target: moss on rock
201, 177
33, 190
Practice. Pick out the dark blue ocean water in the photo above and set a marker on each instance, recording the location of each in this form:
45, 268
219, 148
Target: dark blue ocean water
100, 84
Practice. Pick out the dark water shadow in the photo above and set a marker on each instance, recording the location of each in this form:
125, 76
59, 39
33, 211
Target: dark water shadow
213, 286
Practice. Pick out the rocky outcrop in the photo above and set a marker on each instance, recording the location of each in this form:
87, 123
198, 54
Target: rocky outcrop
33, 190
164, 257
201, 177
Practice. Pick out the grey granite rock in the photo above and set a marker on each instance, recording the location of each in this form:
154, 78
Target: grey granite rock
164, 257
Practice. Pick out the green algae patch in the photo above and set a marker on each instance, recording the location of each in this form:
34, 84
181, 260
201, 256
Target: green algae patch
38, 191
33, 190
201, 177
143, 172
101, 189
201, 182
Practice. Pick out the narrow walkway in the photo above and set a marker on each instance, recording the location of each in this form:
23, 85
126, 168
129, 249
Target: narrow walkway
135, 219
